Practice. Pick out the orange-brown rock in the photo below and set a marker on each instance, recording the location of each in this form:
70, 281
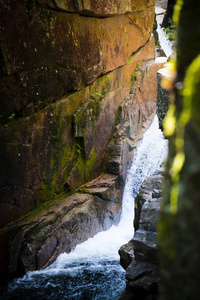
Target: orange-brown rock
60, 52
118, 43
135, 114
40, 154
76, 88
98, 8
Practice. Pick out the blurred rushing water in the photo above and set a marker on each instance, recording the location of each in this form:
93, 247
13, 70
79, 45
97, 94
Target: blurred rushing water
165, 44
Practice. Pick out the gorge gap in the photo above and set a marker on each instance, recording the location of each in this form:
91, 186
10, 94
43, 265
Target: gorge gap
78, 86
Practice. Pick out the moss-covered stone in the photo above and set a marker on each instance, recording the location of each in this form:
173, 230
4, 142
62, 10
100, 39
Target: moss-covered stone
38, 238
179, 224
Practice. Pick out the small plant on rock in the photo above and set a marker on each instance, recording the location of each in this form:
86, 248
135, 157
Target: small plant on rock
170, 31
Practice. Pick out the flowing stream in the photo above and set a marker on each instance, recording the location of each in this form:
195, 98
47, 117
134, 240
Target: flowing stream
165, 44
92, 269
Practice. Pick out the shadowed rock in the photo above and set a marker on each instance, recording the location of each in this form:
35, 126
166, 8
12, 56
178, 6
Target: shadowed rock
141, 253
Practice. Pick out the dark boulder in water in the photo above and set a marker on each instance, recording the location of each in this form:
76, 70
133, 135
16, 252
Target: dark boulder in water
143, 273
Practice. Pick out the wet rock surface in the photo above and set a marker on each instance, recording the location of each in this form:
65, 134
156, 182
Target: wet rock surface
126, 253
126, 137
141, 253
146, 199
35, 242
56, 151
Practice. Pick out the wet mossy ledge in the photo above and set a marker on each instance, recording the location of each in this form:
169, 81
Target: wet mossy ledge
73, 109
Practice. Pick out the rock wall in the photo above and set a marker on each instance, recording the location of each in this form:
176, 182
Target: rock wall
139, 257
78, 84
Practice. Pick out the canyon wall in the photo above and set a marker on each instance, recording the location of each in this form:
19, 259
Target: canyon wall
139, 257
78, 86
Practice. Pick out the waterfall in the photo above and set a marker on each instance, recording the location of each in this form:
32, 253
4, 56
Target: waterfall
92, 269
165, 44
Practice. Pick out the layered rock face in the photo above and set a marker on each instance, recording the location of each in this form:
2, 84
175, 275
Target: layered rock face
140, 256
36, 241
78, 83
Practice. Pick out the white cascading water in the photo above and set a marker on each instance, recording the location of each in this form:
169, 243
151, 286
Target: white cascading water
165, 44
92, 269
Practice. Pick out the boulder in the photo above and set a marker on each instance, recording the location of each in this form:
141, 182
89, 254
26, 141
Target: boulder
145, 200
126, 253
144, 245
142, 281
147, 271
141, 253
149, 214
